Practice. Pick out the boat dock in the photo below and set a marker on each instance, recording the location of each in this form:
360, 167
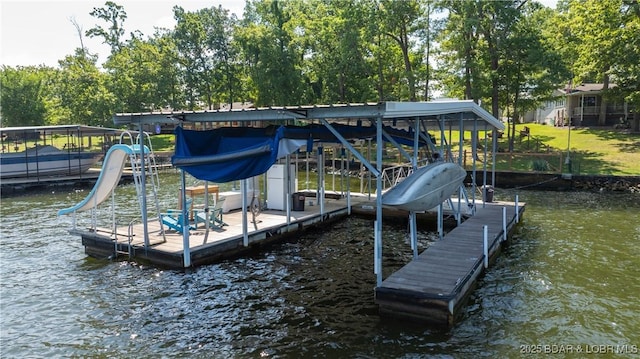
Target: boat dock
223, 242
434, 287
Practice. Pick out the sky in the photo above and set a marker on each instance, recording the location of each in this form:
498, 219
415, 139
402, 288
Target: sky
41, 32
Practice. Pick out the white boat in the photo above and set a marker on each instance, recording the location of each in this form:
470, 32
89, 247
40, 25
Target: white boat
425, 188
46, 161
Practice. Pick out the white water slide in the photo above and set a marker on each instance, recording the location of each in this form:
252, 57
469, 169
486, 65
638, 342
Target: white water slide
109, 178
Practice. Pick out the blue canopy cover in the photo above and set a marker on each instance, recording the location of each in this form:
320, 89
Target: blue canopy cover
233, 153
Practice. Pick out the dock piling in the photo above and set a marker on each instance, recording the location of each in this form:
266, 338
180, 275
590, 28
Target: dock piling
504, 224
517, 210
485, 245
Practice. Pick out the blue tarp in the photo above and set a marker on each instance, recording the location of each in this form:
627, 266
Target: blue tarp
226, 155
229, 154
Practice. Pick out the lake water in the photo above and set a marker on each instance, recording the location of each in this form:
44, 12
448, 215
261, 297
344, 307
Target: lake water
568, 282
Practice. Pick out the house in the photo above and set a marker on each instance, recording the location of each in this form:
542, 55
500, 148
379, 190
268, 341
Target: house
581, 104
551, 112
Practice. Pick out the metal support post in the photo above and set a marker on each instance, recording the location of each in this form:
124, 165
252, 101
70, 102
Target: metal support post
485, 245
504, 223
517, 211
414, 233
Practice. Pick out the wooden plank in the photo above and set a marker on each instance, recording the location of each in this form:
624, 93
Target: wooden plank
424, 288
433, 281
424, 278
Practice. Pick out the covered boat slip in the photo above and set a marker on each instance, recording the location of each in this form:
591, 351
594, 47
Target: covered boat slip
419, 131
35, 156
72, 138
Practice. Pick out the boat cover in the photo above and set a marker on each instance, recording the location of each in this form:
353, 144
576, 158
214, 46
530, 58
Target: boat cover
232, 153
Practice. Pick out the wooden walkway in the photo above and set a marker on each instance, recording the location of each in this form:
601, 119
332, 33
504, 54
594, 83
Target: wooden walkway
434, 287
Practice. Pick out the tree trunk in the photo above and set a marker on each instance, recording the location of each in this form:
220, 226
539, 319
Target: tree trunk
428, 74
380, 75
602, 118
467, 74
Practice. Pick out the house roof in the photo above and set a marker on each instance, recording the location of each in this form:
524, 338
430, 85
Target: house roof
584, 88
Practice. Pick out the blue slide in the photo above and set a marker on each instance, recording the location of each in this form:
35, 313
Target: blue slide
109, 178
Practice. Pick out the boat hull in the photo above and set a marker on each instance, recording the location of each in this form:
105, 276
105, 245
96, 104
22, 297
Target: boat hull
426, 188
46, 162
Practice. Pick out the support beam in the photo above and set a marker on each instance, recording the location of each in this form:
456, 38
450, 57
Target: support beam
186, 252
376, 172
245, 227
413, 229
378, 223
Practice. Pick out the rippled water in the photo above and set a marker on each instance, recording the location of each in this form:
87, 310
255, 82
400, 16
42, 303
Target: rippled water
570, 277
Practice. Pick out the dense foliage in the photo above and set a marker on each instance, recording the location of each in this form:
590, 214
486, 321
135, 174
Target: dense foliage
507, 55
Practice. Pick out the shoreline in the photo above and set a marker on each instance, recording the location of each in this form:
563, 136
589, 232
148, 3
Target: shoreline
561, 182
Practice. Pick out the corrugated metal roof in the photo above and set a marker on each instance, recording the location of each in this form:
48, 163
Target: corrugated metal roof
454, 112
62, 129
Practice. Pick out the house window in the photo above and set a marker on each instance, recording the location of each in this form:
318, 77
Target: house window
589, 101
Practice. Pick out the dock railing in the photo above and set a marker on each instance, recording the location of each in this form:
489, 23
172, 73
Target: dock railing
393, 175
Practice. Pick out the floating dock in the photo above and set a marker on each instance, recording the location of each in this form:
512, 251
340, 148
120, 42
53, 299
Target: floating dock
221, 243
434, 287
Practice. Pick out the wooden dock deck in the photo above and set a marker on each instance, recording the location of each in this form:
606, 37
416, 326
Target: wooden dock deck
221, 242
434, 287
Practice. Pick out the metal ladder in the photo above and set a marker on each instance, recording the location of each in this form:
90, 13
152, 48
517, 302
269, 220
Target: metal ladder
152, 183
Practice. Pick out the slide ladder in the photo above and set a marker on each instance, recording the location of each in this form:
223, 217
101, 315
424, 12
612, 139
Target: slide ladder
147, 194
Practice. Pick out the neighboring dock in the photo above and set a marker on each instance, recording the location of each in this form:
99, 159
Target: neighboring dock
434, 287
10, 186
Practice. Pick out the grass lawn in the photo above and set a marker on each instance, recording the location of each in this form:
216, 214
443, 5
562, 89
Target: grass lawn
593, 151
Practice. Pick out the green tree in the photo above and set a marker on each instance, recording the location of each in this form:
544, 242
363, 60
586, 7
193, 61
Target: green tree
626, 71
460, 68
272, 58
141, 75
335, 67
402, 21
204, 45
591, 29
82, 93
168, 86
530, 69
114, 15
22, 100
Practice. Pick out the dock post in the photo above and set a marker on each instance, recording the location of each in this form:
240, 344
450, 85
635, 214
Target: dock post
517, 211
186, 251
375, 249
440, 223
504, 224
414, 233
245, 218
485, 246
